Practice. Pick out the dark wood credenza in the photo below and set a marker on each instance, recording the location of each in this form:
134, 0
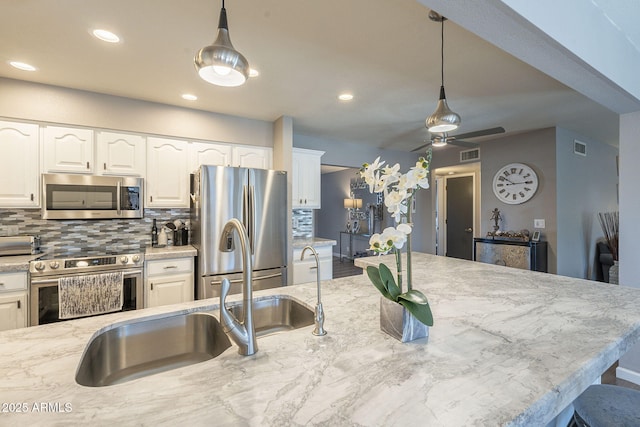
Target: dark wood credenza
511, 253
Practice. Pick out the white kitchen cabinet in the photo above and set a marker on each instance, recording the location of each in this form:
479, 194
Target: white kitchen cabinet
305, 271
167, 183
203, 153
169, 281
67, 149
13, 300
252, 157
120, 154
19, 165
306, 179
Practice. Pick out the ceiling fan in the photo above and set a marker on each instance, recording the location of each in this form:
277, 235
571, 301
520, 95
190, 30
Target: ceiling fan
444, 138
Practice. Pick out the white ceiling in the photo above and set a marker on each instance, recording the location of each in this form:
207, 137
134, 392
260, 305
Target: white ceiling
386, 52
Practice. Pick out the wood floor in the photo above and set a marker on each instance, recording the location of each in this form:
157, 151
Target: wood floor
609, 377
344, 268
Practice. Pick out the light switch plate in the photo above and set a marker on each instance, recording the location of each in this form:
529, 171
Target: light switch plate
538, 223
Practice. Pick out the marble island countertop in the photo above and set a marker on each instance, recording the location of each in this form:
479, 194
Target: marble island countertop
509, 347
301, 242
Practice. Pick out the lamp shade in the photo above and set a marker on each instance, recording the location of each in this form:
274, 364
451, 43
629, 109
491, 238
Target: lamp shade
352, 203
219, 63
443, 119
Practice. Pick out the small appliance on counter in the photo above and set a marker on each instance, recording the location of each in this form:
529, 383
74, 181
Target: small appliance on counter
19, 245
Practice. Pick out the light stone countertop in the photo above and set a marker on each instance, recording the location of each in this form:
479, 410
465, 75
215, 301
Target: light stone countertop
509, 347
167, 252
301, 242
16, 263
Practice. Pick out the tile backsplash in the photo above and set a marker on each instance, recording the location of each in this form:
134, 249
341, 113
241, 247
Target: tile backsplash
302, 223
107, 234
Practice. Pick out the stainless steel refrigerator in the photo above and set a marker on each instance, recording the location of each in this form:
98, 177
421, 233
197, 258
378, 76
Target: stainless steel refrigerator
258, 198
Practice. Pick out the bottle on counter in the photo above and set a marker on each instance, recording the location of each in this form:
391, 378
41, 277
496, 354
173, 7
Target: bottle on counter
154, 234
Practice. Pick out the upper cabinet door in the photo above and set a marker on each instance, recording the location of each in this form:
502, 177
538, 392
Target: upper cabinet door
68, 149
306, 179
202, 153
252, 157
167, 183
19, 165
120, 154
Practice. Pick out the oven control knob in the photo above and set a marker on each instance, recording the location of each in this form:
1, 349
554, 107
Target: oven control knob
39, 265
124, 259
54, 265
136, 258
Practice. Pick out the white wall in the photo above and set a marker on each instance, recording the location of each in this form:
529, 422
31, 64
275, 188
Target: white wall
585, 186
38, 102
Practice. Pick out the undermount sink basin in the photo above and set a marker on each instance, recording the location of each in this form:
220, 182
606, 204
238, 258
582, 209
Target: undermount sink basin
275, 314
143, 348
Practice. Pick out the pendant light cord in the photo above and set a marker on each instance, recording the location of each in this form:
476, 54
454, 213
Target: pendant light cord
441, 51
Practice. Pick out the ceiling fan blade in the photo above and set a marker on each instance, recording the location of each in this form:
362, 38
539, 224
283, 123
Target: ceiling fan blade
421, 147
484, 132
465, 144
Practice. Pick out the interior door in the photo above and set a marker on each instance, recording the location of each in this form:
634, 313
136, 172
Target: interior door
459, 222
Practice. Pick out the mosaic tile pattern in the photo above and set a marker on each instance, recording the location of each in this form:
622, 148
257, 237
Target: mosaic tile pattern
103, 234
302, 223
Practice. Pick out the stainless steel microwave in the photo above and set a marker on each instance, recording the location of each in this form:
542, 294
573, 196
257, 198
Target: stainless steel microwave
66, 196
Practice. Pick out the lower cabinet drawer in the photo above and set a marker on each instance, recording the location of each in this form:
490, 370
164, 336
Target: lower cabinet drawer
169, 266
13, 281
305, 271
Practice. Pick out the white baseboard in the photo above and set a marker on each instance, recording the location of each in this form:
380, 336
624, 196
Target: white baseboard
628, 375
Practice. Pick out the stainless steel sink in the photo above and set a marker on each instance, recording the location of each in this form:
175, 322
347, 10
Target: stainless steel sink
275, 314
143, 348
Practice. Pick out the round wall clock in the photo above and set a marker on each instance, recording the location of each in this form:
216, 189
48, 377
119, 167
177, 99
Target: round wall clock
515, 183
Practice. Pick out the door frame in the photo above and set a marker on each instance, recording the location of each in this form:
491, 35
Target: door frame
442, 174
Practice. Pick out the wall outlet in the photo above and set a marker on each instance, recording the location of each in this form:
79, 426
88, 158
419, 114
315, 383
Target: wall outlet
538, 223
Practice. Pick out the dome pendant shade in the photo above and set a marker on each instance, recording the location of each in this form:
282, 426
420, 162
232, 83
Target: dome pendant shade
443, 119
219, 63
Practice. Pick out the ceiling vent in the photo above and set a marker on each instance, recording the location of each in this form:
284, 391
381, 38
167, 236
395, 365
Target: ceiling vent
469, 155
579, 148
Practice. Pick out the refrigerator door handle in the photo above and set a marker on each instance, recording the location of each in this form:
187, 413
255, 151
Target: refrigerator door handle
245, 205
252, 218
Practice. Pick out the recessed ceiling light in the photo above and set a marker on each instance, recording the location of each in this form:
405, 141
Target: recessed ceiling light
253, 72
22, 66
345, 97
189, 97
106, 36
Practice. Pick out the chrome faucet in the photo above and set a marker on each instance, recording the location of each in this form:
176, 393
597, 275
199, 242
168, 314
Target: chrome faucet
243, 333
319, 317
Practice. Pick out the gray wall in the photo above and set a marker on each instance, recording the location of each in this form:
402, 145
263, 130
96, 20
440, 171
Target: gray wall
585, 186
537, 150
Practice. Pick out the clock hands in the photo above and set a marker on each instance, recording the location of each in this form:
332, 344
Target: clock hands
517, 183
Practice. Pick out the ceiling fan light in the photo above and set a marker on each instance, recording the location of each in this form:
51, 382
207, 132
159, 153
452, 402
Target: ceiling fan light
219, 63
439, 142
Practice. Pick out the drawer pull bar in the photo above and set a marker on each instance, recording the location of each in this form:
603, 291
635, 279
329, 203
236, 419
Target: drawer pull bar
170, 266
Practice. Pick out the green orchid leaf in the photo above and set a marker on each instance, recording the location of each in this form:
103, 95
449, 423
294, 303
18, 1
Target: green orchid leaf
422, 312
414, 296
389, 281
374, 276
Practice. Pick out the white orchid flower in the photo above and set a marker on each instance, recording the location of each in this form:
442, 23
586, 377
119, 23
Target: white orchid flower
371, 174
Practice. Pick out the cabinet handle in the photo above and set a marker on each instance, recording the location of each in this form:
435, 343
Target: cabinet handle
19, 305
151, 198
104, 166
1, 283
315, 267
170, 266
305, 201
88, 165
300, 201
151, 285
32, 197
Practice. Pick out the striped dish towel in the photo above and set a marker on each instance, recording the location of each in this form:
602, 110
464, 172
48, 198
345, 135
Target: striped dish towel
80, 296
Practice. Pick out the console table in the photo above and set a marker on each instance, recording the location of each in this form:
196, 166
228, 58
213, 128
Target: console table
511, 253
349, 254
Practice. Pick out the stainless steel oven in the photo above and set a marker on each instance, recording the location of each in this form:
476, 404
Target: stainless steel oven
45, 275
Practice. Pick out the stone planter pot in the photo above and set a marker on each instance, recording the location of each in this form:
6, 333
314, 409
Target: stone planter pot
613, 273
396, 321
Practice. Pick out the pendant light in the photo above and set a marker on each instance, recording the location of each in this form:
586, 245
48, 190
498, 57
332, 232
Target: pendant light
219, 63
443, 119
